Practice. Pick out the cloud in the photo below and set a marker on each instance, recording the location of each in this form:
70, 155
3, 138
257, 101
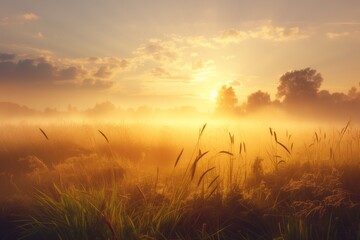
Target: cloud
160, 72
229, 57
265, 31
193, 41
69, 73
158, 50
39, 35
41, 71
236, 83
27, 51
26, 70
60, 74
232, 36
30, 16
239, 80
280, 34
168, 74
115, 61
109, 67
18, 19
96, 84
181, 58
104, 72
6, 56
333, 35
345, 23
197, 65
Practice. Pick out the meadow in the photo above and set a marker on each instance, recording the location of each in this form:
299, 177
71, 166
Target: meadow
239, 179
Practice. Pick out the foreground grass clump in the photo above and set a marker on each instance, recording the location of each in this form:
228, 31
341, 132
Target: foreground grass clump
297, 202
282, 192
268, 211
100, 214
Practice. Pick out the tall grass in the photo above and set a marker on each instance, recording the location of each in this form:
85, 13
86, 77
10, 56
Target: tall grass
207, 193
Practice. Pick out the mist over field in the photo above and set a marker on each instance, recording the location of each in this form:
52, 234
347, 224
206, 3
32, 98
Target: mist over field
135, 173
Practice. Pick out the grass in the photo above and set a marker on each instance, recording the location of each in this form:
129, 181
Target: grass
280, 191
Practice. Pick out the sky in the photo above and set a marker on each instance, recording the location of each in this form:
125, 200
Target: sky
167, 53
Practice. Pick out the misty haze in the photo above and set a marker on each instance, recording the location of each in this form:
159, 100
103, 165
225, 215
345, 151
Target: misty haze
180, 120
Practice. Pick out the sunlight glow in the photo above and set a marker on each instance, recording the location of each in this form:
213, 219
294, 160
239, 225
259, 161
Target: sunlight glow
213, 95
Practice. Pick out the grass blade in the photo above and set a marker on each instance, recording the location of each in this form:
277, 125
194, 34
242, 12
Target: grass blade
103, 134
202, 129
178, 158
203, 175
142, 194
213, 181
193, 168
282, 145
43, 132
226, 152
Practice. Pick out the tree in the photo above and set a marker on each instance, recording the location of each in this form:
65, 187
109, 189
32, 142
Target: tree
299, 86
257, 100
226, 100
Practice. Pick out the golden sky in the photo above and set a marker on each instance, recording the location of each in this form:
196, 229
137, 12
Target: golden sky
170, 53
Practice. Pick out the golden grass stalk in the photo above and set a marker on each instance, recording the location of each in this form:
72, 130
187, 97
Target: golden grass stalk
213, 181
203, 230
227, 152
231, 136
141, 193
193, 168
202, 130
283, 146
103, 134
109, 224
203, 175
43, 132
212, 192
157, 178
178, 158
344, 129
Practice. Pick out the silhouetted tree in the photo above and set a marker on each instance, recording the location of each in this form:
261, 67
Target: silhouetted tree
257, 100
354, 94
226, 100
299, 86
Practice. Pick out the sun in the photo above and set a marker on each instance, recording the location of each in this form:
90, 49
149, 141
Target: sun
213, 95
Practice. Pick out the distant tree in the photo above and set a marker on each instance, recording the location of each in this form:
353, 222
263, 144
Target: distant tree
354, 94
299, 86
226, 100
101, 109
257, 100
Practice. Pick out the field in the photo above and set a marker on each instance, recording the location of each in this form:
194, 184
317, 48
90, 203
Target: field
205, 180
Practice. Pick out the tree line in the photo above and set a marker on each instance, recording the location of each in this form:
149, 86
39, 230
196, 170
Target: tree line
298, 92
